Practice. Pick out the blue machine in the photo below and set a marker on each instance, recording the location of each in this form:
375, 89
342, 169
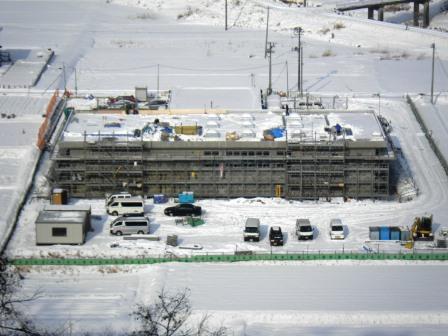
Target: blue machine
186, 197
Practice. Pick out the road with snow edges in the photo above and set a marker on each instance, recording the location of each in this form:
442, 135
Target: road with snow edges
301, 294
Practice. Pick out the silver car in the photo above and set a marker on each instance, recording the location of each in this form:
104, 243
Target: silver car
336, 229
130, 225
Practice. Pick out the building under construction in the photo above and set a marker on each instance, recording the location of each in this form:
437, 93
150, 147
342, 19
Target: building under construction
306, 155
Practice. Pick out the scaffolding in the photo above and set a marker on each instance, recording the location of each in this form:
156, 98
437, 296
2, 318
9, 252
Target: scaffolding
293, 169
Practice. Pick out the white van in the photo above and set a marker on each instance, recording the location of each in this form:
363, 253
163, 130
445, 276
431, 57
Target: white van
126, 206
252, 230
113, 197
304, 230
130, 225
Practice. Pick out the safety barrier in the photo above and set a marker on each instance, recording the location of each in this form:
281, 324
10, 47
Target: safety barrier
428, 134
232, 258
41, 135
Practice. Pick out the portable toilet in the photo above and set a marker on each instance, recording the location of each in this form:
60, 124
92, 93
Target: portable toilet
59, 196
186, 197
395, 233
374, 233
384, 233
160, 199
405, 233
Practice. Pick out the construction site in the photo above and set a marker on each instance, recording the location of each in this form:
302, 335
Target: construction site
306, 154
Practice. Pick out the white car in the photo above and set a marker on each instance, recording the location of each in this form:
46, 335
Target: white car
336, 229
111, 198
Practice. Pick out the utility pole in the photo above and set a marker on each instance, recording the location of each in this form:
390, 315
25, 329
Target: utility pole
287, 80
298, 32
267, 31
379, 103
65, 79
225, 25
157, 80
269, 52
433, 46
301, 71
76, 83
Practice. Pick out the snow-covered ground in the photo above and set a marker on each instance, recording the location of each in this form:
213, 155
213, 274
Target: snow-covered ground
108, 49
21, 117
345, 298
435, 117
225, 219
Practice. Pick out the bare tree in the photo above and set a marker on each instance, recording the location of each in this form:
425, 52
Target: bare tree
12, 321
170, 316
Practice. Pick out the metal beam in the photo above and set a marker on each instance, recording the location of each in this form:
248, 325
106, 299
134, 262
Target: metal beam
416, 12
381, 14
426, 14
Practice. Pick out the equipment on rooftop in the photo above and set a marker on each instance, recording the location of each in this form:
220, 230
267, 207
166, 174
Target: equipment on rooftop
422, 228
188, 129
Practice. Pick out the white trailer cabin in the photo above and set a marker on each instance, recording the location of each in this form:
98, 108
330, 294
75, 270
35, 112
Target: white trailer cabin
62, 227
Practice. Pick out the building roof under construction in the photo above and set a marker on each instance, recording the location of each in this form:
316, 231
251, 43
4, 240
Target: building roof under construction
242, 126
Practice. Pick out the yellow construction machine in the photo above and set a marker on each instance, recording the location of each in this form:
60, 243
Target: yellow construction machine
422, 228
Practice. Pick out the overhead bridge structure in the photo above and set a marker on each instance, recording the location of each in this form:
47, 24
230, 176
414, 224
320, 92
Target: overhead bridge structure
378, 5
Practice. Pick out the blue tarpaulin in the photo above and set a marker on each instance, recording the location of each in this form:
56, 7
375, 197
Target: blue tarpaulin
338, 128
277, 132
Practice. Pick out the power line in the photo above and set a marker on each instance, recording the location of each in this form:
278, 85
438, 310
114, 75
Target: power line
239, 14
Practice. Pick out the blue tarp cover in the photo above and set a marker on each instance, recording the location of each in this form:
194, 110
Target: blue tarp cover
277, 132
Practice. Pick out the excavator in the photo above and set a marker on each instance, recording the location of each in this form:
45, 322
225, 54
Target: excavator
422, 228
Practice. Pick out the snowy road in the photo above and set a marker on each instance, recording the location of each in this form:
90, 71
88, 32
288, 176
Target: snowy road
337, 294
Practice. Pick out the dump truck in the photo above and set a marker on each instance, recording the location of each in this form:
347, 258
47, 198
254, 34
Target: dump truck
422, 228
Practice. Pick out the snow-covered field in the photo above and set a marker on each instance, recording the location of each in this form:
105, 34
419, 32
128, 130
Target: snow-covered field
108, 47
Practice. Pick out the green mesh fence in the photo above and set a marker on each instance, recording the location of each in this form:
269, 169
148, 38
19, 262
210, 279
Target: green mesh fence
232, 258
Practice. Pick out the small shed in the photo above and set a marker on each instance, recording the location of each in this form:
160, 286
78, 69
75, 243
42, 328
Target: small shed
61, 227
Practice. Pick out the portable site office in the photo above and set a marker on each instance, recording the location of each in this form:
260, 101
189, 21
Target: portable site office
61, 227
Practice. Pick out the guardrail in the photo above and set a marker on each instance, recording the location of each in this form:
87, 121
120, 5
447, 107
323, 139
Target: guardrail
232, 258
428, 135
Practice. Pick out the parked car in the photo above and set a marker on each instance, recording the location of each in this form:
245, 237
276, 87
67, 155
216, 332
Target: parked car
122, 195
252, 230
126, 206
276, 236
121, 104
304, 230
336, 229
114, 99
183, 210
130, 225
